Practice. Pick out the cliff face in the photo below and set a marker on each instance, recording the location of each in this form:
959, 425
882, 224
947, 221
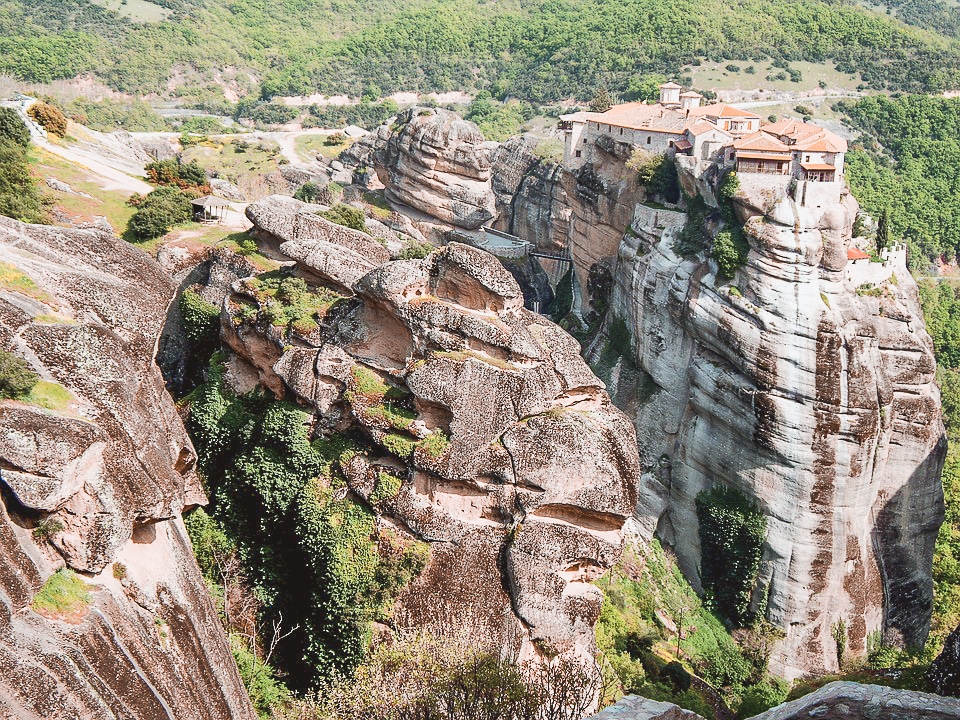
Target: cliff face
815, 400
510, 459
104, 470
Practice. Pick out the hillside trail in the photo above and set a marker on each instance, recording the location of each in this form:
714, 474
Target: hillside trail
110, 177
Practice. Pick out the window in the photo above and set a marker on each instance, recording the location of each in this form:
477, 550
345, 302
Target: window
648, 139
671, 143
621, 131
808, 159
579, 152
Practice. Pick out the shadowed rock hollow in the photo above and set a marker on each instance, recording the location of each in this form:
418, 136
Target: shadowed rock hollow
111, 466
515, 465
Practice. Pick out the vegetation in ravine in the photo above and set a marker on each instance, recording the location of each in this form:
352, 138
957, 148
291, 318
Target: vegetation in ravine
655, 633
279, 495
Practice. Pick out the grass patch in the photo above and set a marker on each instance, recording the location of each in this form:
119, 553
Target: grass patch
398, 418
434, 445
387, 487
50, 396
63, 596
287, 301
398, 444
378, 204
464, 355
138, 10
13, 280
308, 147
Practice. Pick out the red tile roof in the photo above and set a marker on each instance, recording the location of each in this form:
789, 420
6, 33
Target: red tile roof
856, 254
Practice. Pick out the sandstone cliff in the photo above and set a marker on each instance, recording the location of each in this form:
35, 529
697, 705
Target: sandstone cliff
435, 162
101, 464
512, 462
815, 400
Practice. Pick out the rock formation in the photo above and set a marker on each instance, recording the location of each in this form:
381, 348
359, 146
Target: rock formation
833, 701
514, 464
437, 163
944, 672
815, 400
96, 470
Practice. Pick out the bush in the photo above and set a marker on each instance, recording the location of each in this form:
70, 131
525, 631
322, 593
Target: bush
12, 128
346, 215
414, 250
47, 529
64, 593
761, 697
17, 378
178, 174
201, 323
730, 250
732, 534
159, 212
311, 192
19, 196
49, 117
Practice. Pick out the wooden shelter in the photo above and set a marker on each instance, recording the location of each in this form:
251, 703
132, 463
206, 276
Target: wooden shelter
209, 209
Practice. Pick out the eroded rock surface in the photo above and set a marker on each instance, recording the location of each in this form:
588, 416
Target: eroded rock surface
512, 462
814, 400
434, 161
108, 468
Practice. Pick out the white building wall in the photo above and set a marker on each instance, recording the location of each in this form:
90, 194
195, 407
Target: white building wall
573, 141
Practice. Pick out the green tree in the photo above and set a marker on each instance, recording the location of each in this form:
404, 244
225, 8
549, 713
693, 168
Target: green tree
883, 230
159, 212
601, 101
730, 250
17, 378
12, 128
19, 196
732, 534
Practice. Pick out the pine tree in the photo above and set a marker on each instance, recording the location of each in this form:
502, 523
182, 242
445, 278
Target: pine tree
883, 230
601, 101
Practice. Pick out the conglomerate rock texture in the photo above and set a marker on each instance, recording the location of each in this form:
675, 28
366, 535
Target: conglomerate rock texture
814, 400
515, 465
434, 161
107, 472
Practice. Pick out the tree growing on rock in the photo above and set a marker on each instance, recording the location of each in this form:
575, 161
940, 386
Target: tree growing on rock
12, 128
49, 117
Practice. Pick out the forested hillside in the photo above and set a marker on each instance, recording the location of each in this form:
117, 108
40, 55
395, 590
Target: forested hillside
539, 51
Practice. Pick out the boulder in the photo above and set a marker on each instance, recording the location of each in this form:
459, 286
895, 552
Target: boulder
435, 162
516, 467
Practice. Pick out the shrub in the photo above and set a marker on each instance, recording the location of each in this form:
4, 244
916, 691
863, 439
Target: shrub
19, 196
160, 211
62, 594
201, 321
732, 532
311, 192
47, 528
346, 215
175, 173
49, 117
119, 570
12, 128
414, 250
17, 378
730, 250
762, 696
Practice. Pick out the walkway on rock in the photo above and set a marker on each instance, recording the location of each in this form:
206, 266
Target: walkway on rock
116, 179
